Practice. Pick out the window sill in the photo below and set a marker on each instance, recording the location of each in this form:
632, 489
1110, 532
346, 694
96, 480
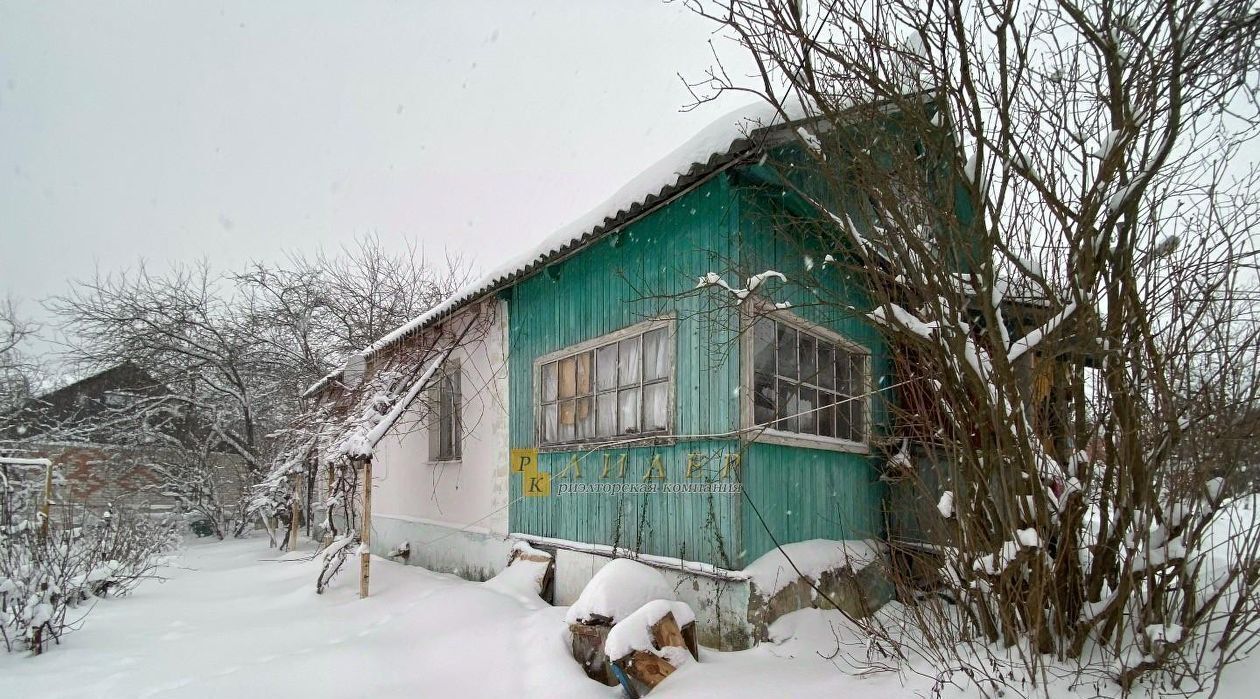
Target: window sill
625, 441
805, 441
444, 462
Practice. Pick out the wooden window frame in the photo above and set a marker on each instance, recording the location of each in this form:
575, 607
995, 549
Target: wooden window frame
450, 368
592, 346
769, 435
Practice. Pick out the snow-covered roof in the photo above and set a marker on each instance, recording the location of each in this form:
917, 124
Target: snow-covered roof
724, 142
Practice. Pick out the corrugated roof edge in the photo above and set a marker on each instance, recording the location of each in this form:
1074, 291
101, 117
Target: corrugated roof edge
720, 145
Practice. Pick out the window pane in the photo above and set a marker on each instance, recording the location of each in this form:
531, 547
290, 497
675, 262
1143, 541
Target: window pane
568, 377
585, 418
857, 374
655, 400
808, 420
568, 421
551, 423
763, 397
453, 389
809, 359
842, 372
655, 355
827, 414
628, 366
844, 422
549, 382
826, 366
606, 367
606, 414
786, 344
444, 440
857, 418
628, 411
763, 346
787, 407
584, 374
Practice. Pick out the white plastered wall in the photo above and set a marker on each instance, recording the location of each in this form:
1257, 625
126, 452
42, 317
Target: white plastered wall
470, 494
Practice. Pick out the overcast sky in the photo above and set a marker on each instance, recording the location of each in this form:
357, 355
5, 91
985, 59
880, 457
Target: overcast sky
234, 131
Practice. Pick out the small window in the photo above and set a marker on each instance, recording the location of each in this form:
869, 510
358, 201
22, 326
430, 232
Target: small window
446, 428
619, 387
119, 399
805, 384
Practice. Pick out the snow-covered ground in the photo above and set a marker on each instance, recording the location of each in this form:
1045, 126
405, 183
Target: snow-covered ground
233, 620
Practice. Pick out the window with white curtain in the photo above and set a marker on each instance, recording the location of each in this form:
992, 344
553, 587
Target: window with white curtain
616, 386
806, 384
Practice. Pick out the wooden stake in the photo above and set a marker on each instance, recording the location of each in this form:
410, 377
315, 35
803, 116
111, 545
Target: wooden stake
46, 506
365, 535
295, 513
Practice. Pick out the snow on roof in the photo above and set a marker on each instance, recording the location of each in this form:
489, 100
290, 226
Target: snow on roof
721, 143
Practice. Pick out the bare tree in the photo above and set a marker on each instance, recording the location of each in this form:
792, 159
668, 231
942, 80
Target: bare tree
232, 354
1042, 202
18, 373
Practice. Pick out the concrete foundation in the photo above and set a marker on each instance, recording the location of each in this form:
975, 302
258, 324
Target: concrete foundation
470, 554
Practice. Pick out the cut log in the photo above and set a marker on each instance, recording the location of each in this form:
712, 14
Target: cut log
643, 670
588, 649
522, 552
689, 639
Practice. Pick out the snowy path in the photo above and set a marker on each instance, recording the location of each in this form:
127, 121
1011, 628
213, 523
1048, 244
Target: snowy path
231, 621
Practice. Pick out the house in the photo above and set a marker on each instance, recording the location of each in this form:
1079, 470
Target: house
101, 434
609, 407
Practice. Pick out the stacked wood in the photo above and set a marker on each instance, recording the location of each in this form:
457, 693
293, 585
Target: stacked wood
642, 670
523, 553
588, 649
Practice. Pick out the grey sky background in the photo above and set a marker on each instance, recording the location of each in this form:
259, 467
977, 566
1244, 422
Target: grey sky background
234, 131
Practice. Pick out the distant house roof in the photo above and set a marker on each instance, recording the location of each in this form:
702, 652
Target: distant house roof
726, 141
124, 376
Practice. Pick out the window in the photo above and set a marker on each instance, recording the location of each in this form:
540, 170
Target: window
119, 399
446, 430
614, 387
805, 384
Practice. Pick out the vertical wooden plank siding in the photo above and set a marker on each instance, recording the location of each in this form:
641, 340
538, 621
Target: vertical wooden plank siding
794, 493
619, 281
790, 493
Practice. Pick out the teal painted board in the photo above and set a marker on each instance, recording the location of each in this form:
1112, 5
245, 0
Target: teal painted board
795, 493
645, 271
648, 270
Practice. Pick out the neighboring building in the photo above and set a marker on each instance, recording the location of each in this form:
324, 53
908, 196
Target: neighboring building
440, 471
102, 434
646, 418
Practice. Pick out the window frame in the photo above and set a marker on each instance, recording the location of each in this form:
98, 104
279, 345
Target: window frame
449, 368
769, 435
666, 435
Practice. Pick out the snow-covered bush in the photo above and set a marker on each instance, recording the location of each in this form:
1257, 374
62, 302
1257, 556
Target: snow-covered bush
49, 581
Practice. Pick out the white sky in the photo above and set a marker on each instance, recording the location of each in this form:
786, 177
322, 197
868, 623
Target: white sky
234, 131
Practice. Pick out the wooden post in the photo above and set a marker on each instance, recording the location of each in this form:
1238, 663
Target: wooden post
46, 506
365, 535
295, 513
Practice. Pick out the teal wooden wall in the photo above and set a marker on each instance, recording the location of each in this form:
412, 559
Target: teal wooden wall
803, 493
617, 282
649, 270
